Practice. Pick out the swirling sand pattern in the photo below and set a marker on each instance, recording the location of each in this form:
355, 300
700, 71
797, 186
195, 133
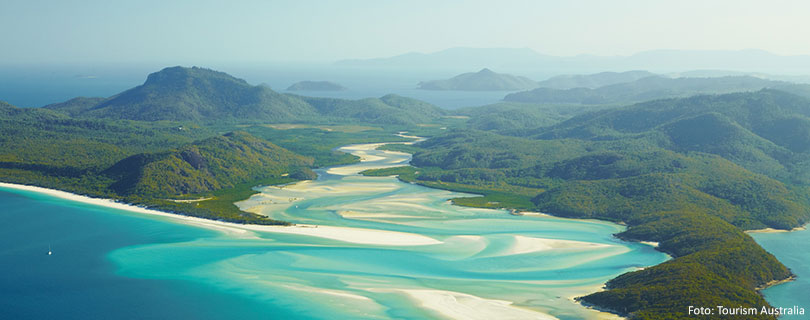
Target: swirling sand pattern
378, 248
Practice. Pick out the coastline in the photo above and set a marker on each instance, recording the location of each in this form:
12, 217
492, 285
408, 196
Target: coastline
776, 283
772, 230
452, 304
346, 234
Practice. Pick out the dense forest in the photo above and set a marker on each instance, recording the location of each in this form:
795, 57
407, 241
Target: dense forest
649, 88
153, 163
690, 173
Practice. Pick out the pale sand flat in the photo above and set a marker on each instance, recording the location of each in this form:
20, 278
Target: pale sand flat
525, 244
457, 305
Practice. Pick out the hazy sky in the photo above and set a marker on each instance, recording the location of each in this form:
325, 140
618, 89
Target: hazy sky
199, 31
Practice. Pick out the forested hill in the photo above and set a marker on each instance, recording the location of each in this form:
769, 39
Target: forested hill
644, 89
690, 173
206, 96
766, 131
316, 86
147, 163
484, 80
215, 163
592, 80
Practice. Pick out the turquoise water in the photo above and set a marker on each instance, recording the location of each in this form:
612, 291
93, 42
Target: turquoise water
791, 249
79, 282
464, 262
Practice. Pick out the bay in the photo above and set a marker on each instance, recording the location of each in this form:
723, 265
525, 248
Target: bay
365, 247
790, 248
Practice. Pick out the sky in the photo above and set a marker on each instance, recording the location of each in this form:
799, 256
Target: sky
202, 31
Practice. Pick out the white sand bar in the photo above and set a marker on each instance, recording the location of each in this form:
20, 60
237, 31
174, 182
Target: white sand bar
525, 244
457, 305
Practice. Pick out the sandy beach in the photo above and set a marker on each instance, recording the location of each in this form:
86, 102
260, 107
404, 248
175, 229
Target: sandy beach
345, 234
444, 303
772, 230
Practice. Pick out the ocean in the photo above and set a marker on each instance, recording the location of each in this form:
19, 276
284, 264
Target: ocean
37, 86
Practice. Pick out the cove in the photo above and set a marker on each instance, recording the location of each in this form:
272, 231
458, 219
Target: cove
790, 248
364, 247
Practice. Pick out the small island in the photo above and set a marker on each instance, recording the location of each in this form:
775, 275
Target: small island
484, 80
316, 86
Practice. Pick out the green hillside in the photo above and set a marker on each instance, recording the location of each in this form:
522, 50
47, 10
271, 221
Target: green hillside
316, 86
195, 94
206, 96
592, 80
149, 163
690, 173
512, 117
645, 89
484, 80
389, 109
765, 131
215, 163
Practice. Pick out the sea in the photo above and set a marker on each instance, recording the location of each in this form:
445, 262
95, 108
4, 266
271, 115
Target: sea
40, 85
790, 249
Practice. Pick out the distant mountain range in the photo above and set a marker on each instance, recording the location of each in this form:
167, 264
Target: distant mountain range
593, 80
316, 86
484, 80
530, 62
204, 95
650, 88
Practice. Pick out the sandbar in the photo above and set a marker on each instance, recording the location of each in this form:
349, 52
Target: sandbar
457, 305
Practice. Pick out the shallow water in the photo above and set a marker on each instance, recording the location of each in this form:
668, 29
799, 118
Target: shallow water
791, 249
465, 262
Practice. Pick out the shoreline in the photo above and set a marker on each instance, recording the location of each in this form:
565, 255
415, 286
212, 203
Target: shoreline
452, 307
772, 230
775, 283
345, 234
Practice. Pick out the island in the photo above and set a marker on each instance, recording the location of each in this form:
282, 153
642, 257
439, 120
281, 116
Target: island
484, 80
316, 86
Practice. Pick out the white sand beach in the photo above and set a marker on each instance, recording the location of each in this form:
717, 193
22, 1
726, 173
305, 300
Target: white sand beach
345, 234
772, 230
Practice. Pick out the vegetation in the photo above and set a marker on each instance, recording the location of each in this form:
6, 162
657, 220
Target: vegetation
399, 147
155, 163
212, 164
316, 86
593, 81
211, 97
644, 89
484, 80
512, 118
219, 205
766, 131
390, 109
690, 173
